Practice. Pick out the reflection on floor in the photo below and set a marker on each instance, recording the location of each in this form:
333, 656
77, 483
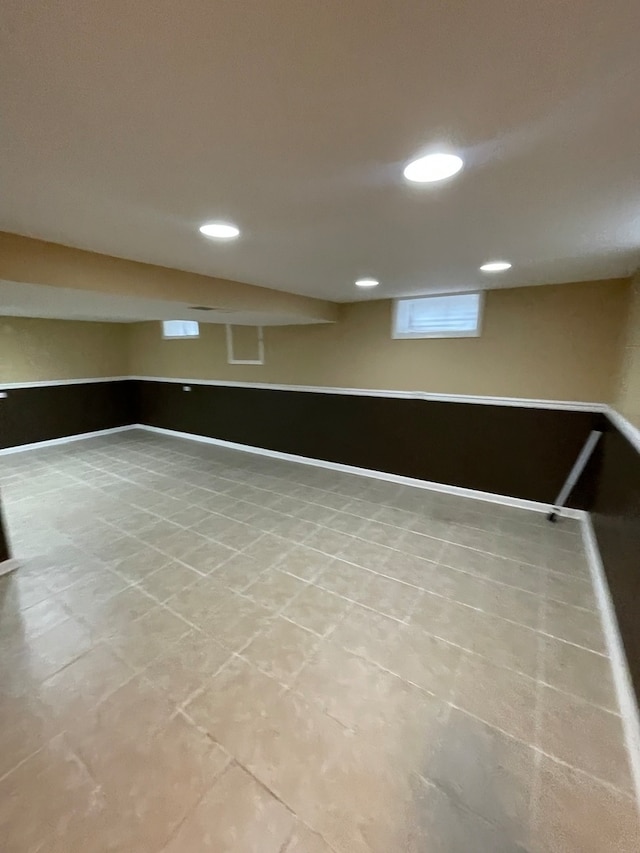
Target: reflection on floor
206, 650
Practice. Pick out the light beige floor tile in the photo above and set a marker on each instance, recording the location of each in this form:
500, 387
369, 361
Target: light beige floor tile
343, 578
238, 572
423, 660
149, 636
510, 603
108, 618
329, 542
503, 643
237, 814
20, 590
495, 568
152, 784
346, 686
303, 840
389, 597
26, 726
498, 696
281, 649
445, 826
367, 555
438, 616
570, 590
268, 550
576, 813
232, 704
293, 528
206, 558
412, 570
40, 657
571, 562
366, 633
275, 589
182, 543
419, 545
240, 536
579, 671
76, 690
487, 772
378, 533
18, 627
316, 609
124, 546
237, 621
138, 566
187, 665
59, 791
304, 563
396, 716
198, 602
83, 597
584, 736
573, 624
345, 746
169, 580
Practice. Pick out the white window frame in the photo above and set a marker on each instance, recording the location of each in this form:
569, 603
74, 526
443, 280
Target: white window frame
230, 356
407, 336
180, 337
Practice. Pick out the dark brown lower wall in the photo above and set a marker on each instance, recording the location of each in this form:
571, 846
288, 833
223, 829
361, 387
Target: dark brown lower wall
5, 552
521, 452
56, 411
616, 521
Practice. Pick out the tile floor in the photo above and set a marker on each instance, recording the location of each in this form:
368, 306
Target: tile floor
206, 650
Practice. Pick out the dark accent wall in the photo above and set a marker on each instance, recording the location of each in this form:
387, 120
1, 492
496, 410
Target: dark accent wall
615, 515
5, 551
55, 411
521, 452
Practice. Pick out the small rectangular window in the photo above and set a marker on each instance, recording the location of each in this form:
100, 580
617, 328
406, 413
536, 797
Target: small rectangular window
180, 329
455, 316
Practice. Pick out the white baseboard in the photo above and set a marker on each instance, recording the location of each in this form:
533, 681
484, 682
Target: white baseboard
8, 566
64, 440
621, 676
488, 497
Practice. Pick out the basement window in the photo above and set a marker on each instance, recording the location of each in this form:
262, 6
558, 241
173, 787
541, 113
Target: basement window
180, 329
456, 316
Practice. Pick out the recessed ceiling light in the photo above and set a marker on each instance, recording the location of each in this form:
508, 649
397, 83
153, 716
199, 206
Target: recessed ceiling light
219, 230
367, 282
433, 167
496, 266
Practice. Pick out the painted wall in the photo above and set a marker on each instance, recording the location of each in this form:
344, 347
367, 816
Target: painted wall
627, 401
34, 350
23, 259
553, 342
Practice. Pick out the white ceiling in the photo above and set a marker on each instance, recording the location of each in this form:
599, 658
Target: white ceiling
127, 124
65, 303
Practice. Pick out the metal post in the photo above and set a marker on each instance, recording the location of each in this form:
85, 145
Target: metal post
576, 471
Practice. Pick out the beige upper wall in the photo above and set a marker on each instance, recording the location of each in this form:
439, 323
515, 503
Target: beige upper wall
555, 342
33, 350
552, 342
29, 261
627, 401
